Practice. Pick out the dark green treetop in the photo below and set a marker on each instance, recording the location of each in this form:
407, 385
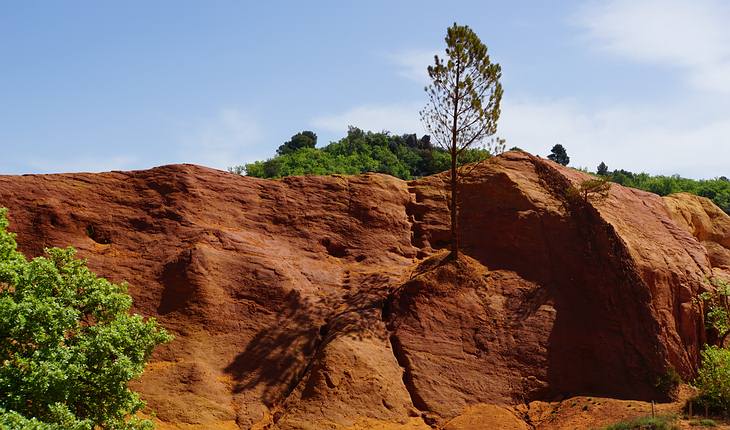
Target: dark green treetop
602, 169
559, 155
304, 139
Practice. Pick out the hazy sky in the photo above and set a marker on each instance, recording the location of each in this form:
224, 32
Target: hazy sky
101, 85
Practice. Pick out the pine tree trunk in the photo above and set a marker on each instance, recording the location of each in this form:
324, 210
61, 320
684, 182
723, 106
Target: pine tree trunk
454, 178
454, 207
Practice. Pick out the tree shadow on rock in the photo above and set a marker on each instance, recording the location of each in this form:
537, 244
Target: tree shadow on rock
277, 355
280, 355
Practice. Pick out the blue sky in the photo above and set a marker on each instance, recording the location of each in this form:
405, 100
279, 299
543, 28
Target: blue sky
95, 86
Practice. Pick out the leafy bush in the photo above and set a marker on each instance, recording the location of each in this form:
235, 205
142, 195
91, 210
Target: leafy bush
403, 156
717, 306
69, 344
713, 380
669, 382
305, 139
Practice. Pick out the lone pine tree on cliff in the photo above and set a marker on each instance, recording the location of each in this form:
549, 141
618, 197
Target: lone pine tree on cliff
463, 104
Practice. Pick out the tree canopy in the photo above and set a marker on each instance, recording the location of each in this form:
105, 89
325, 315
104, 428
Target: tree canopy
69, 344
304, 139
602, 169
405, 156
559, 155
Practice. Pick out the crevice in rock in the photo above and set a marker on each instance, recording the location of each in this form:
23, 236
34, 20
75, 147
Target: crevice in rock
400, 357
98, 235
178, 288
414, 215
402, 360
525, 416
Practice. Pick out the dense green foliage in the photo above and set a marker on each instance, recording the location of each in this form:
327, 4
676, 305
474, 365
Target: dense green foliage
717, 307
717, 190
713, 380
360, 151
559, 155
69, 345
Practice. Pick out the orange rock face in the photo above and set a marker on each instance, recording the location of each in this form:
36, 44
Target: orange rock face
320, 302
706, 222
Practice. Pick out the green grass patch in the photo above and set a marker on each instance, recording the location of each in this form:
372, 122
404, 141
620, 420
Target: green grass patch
664, 422
703, 423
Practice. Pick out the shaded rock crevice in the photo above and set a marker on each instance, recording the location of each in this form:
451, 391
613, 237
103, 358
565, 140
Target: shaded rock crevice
402, 359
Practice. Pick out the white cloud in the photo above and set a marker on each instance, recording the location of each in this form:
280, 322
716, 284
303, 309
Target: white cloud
655, 139
231, 137
691, 35
413, 64
637, 138
688, 135
397, 118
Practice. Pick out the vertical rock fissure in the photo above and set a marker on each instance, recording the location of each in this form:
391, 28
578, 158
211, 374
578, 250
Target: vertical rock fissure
402, 359
526, 418
416, 229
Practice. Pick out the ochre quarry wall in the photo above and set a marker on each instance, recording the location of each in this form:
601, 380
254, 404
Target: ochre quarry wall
319, 302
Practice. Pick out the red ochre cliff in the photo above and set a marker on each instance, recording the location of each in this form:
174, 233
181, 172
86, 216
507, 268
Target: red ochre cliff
322, 302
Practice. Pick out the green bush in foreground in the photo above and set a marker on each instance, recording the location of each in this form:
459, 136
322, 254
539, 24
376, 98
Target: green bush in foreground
646, 423
713, 380
69, 345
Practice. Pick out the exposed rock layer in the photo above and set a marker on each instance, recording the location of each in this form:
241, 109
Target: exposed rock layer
320, 302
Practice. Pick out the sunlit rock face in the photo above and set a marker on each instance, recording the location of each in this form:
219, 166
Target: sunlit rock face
326, 302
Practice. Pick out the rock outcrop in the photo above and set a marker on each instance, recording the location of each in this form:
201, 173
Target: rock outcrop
323, 302
706, 222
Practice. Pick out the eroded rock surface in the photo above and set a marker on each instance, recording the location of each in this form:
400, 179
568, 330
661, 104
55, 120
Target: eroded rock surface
706, 222
319, 302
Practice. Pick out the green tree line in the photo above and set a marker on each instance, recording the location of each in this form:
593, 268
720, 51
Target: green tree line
717, 190
404, 156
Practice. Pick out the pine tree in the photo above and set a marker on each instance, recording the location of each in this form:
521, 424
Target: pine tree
463, 104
